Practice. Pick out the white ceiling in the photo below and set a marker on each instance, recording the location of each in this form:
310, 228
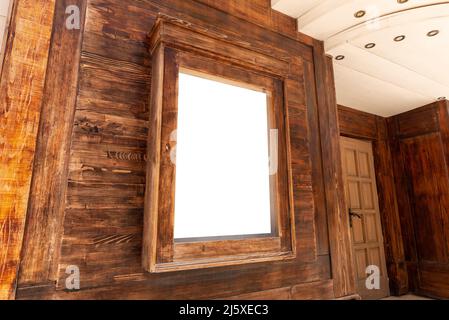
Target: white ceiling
393, 77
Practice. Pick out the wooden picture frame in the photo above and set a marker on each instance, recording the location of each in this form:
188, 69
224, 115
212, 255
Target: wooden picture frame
161, 253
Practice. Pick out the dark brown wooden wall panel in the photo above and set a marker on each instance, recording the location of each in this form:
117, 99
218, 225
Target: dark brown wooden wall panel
428, 188
389, 210
357, 124
419, 148
102, 217
434, 280
260, 12
316, 158
417, 122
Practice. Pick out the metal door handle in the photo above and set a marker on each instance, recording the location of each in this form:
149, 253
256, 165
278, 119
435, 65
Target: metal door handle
353, 214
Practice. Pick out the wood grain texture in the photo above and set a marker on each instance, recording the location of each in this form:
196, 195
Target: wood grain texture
364, 215
322, 290
320, 210
48, 188
389, 211
21, 94
419, 148
197, 285
105, 193
260, 12
338, 224
357, 124
195, 50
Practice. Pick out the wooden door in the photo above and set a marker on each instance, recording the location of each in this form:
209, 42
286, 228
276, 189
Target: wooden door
363, 211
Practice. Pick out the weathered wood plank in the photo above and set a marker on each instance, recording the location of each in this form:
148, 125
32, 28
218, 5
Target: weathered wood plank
389, 210
117, 32
105, 191
357, 124
21, 94
308, 291
323, 290
419, 148
338, 223
47, 197
316, 161
126, 282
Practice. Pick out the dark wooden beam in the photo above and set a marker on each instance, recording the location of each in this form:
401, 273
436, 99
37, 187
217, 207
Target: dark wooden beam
389, 211
48, 189
338, 223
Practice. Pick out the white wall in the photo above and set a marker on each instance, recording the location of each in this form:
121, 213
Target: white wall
4, 11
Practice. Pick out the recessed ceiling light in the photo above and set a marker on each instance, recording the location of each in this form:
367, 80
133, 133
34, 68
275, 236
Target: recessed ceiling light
433, 33
360, 14
402, 1
441, 98
370, 45
399, 38
339, 57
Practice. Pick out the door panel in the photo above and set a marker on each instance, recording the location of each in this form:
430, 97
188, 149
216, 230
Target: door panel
362, 200
429, 185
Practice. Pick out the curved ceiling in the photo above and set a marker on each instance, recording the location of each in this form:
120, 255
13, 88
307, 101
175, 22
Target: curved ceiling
376, 73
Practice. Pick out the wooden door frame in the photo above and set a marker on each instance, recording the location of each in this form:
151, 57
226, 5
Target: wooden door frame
362, 125
376, 203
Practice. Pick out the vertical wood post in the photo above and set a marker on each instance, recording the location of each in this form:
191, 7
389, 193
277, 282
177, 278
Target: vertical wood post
338, 222
50, 173
21, 94
389, 211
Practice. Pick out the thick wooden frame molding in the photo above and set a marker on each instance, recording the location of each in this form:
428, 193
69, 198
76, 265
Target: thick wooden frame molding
338, 222
40, 253
21, 95
161, 253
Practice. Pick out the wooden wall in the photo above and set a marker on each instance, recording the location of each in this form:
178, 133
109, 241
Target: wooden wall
421, 157
87, 196
75, 160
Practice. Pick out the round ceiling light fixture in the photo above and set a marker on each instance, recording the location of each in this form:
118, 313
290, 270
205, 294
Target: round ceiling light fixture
433, 33
340, 57
441, 98
399, 38
402, 1
360, 14
370, 45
